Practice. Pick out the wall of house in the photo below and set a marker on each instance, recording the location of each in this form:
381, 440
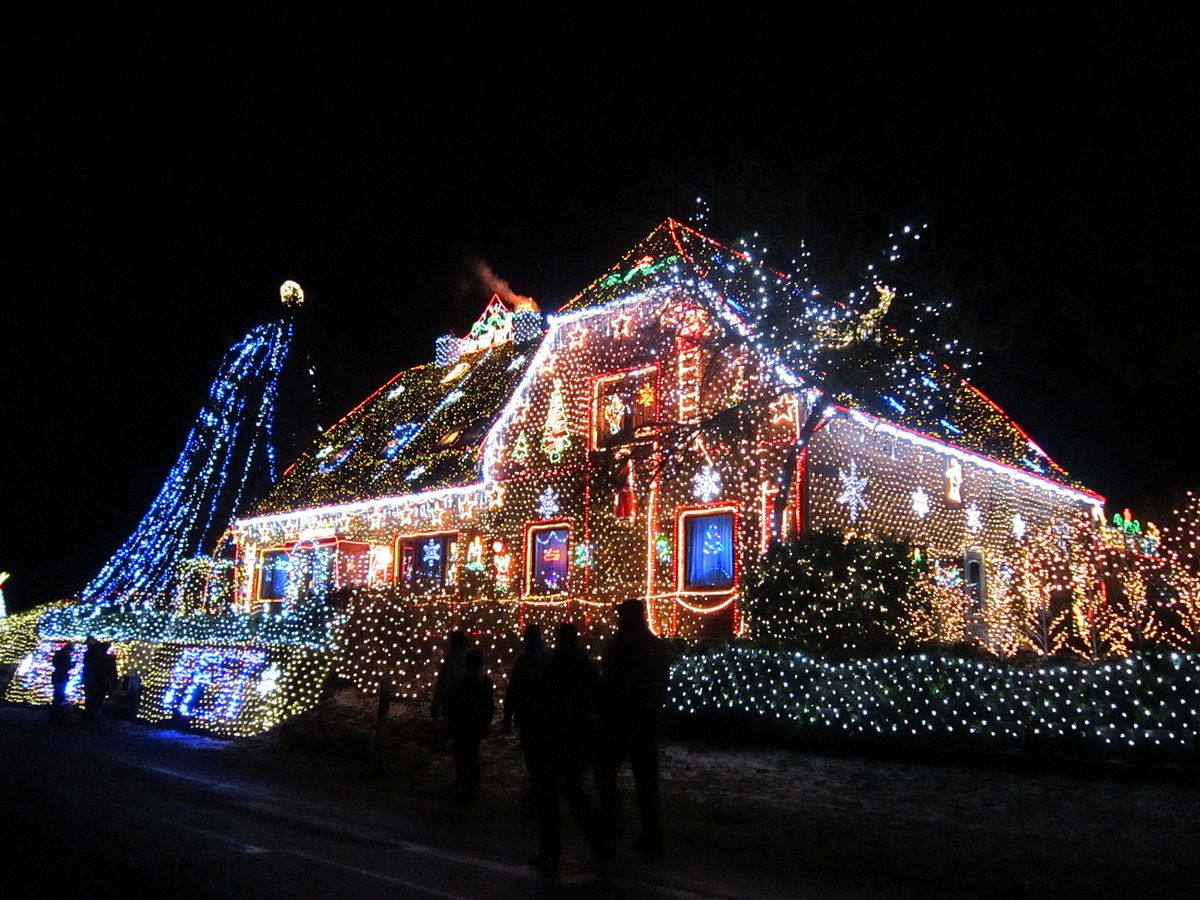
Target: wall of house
640, 456
872, 478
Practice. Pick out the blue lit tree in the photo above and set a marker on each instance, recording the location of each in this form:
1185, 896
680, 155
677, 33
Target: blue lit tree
228, 454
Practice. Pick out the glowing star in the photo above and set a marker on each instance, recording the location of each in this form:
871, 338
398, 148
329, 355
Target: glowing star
577, 337
291, 294
706, 484
854, 490
1018, 526
547, 505
621, 325
376, 518
920, 503
269, 680
974, 518
783, 412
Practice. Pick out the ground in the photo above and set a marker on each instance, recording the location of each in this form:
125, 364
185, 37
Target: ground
305, 812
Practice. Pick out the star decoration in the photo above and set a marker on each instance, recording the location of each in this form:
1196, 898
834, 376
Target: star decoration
622, 324
577, 337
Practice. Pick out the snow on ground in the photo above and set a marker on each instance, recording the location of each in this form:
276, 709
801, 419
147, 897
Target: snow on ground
942, 829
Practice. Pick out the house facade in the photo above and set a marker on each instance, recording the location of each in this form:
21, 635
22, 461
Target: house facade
636, 444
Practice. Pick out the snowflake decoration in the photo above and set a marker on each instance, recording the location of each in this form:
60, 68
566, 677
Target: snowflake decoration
706, 484
416, 473
516, 363
974, 518
547, 505
854, 490
1018, 526
920, 503
395, 392
454, 396
431, 553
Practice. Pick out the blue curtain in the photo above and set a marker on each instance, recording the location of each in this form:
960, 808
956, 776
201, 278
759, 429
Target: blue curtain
549, 561
710, 551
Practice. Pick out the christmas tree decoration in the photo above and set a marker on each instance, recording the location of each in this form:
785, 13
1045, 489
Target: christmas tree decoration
556, 436
227, 455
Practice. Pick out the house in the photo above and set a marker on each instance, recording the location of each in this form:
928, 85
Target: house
632, 445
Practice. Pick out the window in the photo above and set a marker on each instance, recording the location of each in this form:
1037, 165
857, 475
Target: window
708, 551
426, 562
548, 559
623, 404
274, 571
975, 578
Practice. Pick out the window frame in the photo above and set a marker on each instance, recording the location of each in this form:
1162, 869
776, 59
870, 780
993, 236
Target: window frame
531, 532
681, 548
446, 585
600, 384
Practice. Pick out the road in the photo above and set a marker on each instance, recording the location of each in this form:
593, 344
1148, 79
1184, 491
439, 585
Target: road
118, 809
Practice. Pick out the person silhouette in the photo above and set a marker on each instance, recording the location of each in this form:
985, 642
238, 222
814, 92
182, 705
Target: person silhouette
469, 713
60, 674
563, 742
96, 673
521, 706
453, 667
633, 689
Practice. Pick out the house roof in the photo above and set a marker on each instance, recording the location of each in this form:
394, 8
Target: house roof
951, 409
421, 431
424, 429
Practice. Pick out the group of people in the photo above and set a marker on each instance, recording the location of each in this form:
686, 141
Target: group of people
572, 717
100, 681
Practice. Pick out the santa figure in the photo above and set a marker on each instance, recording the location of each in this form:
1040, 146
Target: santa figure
954, 477
626, 497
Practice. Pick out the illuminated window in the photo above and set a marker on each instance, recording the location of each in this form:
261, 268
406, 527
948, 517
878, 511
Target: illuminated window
708, 551
426, 562
548, 558
624, 404
274, 571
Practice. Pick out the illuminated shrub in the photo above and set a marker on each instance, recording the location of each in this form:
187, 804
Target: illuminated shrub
833, 594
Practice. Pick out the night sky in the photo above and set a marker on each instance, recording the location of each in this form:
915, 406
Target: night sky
165, 171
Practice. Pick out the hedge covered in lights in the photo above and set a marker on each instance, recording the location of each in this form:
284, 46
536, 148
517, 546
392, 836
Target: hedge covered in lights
1147, 705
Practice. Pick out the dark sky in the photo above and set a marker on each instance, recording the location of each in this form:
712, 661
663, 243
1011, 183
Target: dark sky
165, 171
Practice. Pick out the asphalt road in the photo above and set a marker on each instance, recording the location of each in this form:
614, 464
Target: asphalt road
115, 809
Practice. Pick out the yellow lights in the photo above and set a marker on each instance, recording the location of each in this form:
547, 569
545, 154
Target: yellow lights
291, 294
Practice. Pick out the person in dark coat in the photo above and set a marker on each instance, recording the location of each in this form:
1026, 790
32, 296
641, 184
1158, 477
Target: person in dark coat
454, 665
568, 710
59, 676
521, 706
633, 690
96, 673
469, 713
